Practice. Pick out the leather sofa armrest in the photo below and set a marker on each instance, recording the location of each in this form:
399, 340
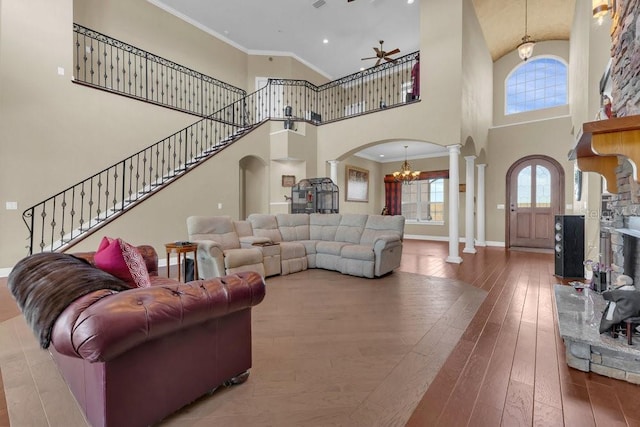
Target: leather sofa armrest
100, 326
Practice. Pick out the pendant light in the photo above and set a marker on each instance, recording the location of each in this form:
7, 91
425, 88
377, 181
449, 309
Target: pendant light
525, 49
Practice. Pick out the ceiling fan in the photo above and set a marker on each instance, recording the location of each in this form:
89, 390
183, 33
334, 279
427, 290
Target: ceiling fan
381, 54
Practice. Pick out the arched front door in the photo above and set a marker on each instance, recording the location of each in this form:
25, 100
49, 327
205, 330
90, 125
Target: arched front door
535, 194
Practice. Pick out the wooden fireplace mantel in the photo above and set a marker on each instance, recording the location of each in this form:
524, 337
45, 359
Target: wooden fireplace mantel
603, 141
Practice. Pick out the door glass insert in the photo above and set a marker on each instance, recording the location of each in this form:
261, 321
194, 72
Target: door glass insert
543, 187
524, 188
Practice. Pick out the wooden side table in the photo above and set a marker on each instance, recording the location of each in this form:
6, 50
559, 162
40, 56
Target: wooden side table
182, 248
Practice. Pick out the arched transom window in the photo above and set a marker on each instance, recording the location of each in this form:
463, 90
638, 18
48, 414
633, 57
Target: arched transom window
536, 84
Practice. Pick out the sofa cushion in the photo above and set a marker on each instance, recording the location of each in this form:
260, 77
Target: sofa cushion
323, 226
265, 225
360, 252
220, 229
382, 225
330, 248
123, 260
291, 250
243, 228
351, 228
293, 227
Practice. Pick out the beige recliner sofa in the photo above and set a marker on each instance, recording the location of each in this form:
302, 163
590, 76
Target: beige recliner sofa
220, 251
355, 244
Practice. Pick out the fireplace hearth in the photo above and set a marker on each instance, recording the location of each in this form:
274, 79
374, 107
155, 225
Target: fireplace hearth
587, 350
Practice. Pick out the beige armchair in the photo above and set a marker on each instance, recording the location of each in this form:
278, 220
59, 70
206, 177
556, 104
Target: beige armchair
219, 249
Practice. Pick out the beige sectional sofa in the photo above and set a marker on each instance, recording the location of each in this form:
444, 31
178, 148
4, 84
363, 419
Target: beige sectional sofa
356, 244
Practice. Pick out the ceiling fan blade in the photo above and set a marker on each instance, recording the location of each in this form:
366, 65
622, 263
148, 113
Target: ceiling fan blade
378, 62
371, 57
393, 52
378, 51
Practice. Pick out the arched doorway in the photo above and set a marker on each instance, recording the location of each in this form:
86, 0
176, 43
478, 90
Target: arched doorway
254, 188
535, 194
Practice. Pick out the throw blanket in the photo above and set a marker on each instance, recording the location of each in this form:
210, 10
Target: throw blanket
45, 284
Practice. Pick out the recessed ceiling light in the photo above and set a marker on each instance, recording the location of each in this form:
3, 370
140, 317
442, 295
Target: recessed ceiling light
325, 41
381, 155
409, 1
361, 68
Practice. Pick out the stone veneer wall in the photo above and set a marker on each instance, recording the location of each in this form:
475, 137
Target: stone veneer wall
623, 205
625, 54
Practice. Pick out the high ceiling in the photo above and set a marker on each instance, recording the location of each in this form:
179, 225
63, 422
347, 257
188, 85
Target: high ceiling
298, 28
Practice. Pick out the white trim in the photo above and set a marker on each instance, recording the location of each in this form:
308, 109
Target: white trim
4, 272
446, 239
531, 121
278, 203
390, 160
432, 223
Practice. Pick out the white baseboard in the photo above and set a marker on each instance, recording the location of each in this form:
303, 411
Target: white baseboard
446, 239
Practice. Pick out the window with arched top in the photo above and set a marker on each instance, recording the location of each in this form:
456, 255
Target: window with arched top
536, 84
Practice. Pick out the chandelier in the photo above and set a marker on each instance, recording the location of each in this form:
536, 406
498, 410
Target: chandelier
525, 48
405, 174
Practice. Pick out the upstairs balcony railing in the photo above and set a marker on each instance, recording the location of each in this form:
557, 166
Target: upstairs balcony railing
79, 210
110, 64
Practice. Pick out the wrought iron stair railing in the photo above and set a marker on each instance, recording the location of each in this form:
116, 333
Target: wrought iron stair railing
65, 218
109, 64
81, 209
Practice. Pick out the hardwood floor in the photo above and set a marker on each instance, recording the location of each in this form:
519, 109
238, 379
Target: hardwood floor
507, 368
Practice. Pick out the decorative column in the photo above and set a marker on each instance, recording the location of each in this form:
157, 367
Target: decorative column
334, 170
480, 214
469, 247
454, 205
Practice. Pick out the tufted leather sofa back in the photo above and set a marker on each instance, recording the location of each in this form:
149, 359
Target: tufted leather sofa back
104, 324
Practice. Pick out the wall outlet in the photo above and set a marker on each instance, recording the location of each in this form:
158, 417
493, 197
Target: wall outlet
60, 71
11, 206
219, 205
500, 206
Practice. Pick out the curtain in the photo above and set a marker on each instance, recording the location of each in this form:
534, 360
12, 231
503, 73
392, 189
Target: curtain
392, 195
393, 190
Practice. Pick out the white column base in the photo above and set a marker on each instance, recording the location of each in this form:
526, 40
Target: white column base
454, 259
469, 251
481, 244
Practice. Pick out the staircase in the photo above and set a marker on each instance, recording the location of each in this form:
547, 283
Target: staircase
228, 114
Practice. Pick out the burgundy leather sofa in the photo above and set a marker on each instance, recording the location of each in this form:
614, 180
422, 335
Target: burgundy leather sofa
133, 357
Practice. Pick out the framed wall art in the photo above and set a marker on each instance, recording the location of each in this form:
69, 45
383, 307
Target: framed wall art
357, 184
288, 180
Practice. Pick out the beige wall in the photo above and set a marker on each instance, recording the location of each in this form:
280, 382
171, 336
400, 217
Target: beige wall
141, 24
282, 67
477, 87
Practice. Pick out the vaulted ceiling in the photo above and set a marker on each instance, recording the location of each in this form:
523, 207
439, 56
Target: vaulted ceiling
353, 29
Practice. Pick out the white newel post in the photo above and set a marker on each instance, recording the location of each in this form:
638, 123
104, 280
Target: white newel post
454, 205
481, 207
334, 171
469, 247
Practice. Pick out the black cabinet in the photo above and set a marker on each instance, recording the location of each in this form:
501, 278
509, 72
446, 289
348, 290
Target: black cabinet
314, 195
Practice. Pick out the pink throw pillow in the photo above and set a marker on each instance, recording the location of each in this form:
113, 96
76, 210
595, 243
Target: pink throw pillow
122, 260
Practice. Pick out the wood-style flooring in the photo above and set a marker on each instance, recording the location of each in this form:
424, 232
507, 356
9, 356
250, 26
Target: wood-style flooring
506, 369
